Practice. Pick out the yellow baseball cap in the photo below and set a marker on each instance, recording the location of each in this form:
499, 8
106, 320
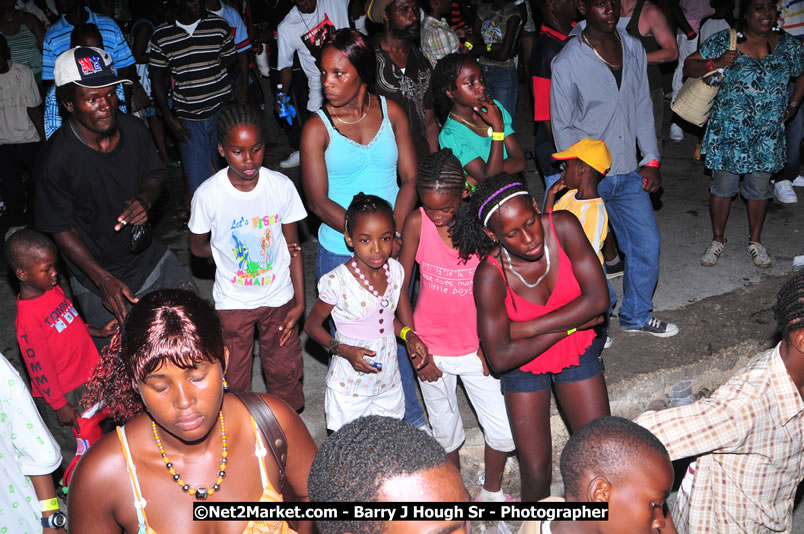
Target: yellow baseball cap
593, 152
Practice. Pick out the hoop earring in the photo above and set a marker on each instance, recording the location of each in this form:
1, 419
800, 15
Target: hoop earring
225, 385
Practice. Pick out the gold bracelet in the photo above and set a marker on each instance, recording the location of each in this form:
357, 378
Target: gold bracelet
404, 333
48, 505
498, 136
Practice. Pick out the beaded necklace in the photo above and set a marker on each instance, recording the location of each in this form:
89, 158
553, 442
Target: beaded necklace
199, 493
385, 300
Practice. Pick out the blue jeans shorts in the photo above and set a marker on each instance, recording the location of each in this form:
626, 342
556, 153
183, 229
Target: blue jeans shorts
756, 185
589, 365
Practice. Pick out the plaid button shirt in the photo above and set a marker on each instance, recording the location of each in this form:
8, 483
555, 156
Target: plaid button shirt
438, 39
749, 440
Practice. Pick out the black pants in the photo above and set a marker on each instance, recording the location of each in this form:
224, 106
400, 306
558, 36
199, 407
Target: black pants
14, 160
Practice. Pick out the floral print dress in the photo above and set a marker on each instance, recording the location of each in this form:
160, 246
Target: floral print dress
745, 132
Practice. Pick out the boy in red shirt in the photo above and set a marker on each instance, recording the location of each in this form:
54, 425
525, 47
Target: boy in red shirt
54, 342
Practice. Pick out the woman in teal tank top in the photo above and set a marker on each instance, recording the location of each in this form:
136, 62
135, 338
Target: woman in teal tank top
25, 35
357, 142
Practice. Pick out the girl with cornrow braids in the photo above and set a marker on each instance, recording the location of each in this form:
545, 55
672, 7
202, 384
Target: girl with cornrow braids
539, 291
445, 320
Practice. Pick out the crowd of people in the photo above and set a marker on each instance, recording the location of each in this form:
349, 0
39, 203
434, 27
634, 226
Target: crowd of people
434, 261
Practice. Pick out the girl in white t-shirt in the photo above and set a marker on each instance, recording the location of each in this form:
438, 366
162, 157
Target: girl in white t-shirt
244, 217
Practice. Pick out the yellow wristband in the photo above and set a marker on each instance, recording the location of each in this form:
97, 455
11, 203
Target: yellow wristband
570, 332
498, 136
48, 505
404, 333
468, 45
488, 47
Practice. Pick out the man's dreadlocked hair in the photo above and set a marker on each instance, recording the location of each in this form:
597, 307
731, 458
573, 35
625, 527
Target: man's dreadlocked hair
789, 309
445, 76
236, 115
468, 235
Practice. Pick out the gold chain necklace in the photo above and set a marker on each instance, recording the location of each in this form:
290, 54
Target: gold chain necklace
470, 124
611, 66
199, 493
368, 108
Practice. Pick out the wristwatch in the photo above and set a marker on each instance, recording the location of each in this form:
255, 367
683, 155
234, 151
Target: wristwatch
57, 520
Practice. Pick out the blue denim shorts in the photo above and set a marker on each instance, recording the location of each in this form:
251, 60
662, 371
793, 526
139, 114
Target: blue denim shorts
589, 365
756, 185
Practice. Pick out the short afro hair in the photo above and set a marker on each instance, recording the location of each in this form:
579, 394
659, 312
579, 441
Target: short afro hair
609, 446
354, 463
26, 245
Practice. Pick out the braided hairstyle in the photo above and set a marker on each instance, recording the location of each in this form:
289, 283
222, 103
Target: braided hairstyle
440, 171
444, 78
469, 236
235, 115
363, 203
789, 309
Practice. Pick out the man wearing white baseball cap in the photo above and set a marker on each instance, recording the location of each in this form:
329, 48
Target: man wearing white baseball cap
99, 177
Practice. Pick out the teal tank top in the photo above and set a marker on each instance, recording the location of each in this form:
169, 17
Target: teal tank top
353, 168
24, 49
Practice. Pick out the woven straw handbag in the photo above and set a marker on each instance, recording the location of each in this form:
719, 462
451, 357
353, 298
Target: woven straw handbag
695, 98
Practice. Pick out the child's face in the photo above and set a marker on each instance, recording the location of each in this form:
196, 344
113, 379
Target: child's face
637, 501
372, 238
243, 150
470, 86
40, 273
440, 206
571, 174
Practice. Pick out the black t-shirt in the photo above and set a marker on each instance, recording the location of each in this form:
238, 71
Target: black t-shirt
409, 89
78, 187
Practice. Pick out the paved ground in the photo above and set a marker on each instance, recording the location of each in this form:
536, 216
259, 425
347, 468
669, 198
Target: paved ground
724, 312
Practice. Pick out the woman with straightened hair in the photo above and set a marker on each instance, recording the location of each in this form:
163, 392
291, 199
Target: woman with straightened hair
183, 439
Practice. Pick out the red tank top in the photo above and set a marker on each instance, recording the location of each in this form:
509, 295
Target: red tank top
566, 352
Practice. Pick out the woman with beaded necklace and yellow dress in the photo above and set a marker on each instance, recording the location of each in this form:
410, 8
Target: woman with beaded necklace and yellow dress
477, 128
183, 439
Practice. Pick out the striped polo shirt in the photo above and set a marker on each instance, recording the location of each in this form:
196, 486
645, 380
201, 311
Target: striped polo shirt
57, 40
195, 61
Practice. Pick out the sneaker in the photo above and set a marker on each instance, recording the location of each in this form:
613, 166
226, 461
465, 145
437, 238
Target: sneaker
783, 191
616, 270
799, 181
505, 497
608, 342
294, 160
759, 255
655, 327
676, 133
712, 254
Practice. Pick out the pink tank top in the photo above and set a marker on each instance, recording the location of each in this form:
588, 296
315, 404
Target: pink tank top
567, 351
445, 316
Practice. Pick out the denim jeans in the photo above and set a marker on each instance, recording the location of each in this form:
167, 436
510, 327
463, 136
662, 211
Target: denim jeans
794, 132
325, 261
199, 153
502, 84
631, 215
